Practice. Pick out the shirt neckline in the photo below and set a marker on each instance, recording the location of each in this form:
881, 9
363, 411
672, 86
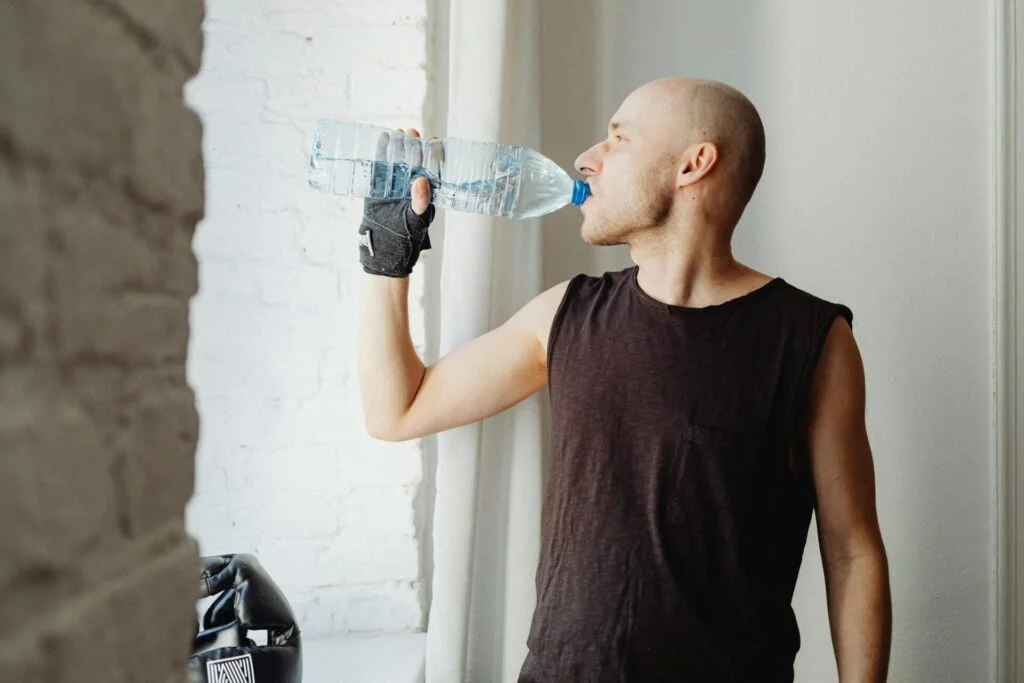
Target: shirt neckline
695, 310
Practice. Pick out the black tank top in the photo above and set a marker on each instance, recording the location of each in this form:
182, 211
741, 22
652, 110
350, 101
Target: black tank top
678, 497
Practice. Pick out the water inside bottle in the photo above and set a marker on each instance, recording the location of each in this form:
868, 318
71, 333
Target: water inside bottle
382, 180
359, 160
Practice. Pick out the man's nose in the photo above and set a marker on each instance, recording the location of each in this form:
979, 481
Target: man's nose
588, 164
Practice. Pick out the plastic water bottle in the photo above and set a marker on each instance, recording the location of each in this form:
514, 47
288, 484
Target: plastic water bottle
361, 160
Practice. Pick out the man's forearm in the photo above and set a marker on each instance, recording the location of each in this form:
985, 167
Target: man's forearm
390, 371
860, 614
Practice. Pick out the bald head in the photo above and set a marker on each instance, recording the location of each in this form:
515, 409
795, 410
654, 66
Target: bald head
672, 141
694, 111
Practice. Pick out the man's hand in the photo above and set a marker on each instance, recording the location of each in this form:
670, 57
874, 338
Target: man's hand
394, 231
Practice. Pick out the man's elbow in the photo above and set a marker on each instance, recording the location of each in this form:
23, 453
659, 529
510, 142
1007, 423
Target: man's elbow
381, 434
382, 429
389, 430
865, 546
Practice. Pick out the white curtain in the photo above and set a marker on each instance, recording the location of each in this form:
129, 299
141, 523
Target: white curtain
487, 508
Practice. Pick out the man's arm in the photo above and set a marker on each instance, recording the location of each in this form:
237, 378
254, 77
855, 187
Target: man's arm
852, 552
404, 400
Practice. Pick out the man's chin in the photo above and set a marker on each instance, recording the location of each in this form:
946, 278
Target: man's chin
600, 236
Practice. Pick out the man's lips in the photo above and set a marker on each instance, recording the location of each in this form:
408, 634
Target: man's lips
590, 196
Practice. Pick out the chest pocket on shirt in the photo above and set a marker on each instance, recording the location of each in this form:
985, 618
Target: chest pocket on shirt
709, 483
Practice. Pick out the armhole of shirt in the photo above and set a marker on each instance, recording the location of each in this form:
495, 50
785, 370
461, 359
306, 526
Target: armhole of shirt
560, 313
821, 336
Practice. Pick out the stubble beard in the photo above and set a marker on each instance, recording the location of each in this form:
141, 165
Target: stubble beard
648, 212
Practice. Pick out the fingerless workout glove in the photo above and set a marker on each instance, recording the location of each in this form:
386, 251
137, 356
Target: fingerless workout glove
392, 236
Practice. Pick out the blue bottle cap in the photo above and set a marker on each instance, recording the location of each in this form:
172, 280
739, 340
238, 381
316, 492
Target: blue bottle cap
580, 192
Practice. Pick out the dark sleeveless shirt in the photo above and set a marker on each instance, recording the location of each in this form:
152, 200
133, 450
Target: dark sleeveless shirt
678, 498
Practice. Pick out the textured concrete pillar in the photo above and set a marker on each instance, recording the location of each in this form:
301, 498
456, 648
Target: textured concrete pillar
101, 186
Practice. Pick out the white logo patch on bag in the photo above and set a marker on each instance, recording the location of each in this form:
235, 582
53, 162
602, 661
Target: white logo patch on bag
231, 670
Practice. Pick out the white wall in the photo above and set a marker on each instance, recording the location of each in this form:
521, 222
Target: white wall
285, 469
877, 193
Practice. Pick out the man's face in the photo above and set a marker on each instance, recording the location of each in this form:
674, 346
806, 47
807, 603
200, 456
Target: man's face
631, 173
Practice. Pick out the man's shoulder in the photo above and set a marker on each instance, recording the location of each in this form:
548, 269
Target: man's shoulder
797, 297
607, 281
587, 285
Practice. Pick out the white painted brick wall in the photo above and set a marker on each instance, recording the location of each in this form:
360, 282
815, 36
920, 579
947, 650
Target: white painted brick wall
285, 469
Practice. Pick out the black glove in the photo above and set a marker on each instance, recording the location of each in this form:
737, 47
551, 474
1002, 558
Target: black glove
392, 236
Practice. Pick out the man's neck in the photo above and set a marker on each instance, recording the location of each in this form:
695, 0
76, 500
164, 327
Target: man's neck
692, 266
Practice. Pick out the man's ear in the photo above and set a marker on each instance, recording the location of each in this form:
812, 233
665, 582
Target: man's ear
697, 162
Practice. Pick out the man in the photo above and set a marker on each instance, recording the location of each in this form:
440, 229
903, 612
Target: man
701, 410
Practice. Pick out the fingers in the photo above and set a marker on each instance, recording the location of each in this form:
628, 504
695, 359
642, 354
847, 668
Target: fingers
434, 156
413, 151
420, 195
414, 157
413, 147
383, 140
